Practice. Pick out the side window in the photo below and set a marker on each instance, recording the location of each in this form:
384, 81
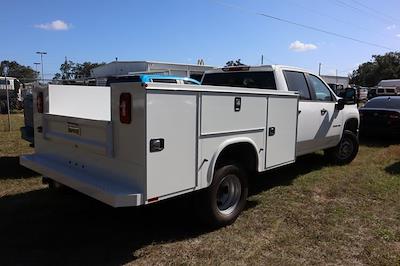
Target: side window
322, 93
296, 81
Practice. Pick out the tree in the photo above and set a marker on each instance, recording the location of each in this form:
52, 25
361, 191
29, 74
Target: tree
83, 70
66, 69
57, 76
234, 63
23, 73
71, 70
381, 67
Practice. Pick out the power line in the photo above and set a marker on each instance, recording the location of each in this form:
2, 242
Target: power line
377, 17
306, 26
325, 15
375, 10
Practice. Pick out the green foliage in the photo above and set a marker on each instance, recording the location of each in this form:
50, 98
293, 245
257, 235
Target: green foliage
379, 68
23, 73
234, 63
83, 70
71, 70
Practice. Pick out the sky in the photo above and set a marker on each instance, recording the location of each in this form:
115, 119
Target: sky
184, 31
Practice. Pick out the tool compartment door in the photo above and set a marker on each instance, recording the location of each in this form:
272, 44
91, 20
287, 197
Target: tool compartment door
281, 131
171, 142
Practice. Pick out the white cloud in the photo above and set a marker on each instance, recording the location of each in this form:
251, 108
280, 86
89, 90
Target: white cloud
54, 25
391, 27
298, 46
398, 35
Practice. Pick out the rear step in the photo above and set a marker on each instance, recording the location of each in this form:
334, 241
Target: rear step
116, 195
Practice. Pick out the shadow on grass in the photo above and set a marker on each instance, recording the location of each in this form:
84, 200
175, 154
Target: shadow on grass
11, 169
284, 176
49, 227
379, 141
393, 169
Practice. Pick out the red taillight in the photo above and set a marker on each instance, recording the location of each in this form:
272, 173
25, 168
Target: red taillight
39, 102
125, 108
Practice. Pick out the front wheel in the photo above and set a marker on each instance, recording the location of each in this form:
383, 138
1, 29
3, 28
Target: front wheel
226, 197
345, 151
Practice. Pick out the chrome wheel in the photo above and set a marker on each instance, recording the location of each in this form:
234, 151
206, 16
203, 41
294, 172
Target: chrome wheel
228, 194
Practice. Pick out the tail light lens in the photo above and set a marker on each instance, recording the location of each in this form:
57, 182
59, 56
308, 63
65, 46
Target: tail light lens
39, 102
125, 108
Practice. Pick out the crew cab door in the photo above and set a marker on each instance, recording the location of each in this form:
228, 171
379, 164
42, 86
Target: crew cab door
330, 127
308, 118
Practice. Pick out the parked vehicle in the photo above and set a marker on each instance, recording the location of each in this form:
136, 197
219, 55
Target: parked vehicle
136, 143
362, 93
27, 132
382, 91
152, 78
14, 87
118, 68
381, 116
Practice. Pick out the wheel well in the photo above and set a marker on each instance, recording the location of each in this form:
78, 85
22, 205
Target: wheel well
243, 153
352, 125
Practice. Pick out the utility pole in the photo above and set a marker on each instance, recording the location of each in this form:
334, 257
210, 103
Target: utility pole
41, 60
5, 72
262, 59
36, 67
336, 76
319, 69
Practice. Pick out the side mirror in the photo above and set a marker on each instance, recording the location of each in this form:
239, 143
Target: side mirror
349, 96
340, 104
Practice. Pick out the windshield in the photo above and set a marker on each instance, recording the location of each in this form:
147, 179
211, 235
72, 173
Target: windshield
385, 103
262, 79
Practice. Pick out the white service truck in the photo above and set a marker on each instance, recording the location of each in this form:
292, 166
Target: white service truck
136, 143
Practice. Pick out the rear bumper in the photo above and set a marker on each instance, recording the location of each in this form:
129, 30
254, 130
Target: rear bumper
107, 191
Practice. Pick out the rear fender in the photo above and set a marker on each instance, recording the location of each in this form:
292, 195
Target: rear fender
222, 147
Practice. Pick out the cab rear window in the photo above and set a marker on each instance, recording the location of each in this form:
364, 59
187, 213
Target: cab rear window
261, 80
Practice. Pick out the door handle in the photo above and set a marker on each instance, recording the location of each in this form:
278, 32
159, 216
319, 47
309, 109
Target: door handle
323, 111
271, 131
156, 145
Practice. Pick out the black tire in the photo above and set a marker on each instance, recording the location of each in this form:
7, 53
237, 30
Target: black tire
345, 151
221, 203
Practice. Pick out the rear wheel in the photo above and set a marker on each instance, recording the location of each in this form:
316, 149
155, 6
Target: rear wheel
346, 150
225, 199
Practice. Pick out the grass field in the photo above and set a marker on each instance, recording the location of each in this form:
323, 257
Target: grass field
307, 213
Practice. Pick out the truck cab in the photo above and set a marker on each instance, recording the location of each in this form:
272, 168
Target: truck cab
323, 117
